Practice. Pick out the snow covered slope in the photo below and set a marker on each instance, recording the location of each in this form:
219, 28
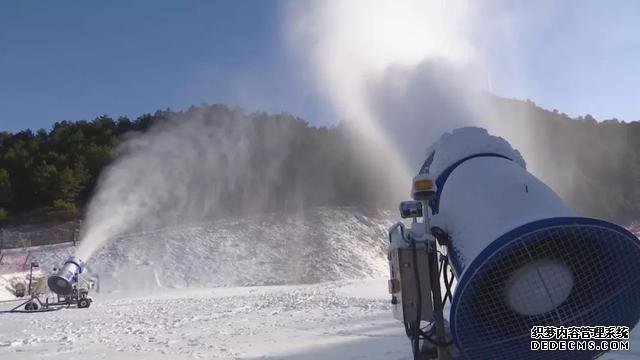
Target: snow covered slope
321, 244
343, 319
334, 320
321, 321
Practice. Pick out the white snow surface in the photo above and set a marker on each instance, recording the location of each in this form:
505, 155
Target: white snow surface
486, 197
340, 319
335, 320
321, 244
467, 141
332, 320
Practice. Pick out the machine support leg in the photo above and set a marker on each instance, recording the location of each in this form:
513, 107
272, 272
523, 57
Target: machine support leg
443, 353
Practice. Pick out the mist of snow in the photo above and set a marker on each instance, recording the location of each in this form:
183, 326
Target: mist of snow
182, 171
384, 65
401, 73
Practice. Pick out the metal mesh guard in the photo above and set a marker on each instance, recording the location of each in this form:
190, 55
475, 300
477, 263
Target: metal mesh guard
604, 259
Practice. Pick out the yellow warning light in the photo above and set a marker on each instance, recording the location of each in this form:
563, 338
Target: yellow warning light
423, 185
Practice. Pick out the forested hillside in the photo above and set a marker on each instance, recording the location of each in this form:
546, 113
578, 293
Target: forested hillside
593, 165
57, 171
596, 165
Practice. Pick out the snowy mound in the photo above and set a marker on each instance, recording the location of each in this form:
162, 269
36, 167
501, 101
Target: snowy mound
322, 244
464, 142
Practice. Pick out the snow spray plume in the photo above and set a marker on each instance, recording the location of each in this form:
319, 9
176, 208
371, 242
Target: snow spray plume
401, 73
199, 166
398, 72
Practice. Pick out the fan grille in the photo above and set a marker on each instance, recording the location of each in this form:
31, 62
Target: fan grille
603, 258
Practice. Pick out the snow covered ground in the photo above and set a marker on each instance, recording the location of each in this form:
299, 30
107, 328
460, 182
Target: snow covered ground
334, 320
191, 292
322, 244
309, 287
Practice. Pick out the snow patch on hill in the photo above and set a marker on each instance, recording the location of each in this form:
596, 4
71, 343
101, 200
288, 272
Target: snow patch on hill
321, 244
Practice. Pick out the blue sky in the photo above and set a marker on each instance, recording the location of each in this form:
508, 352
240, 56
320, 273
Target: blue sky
579, 56
77, 60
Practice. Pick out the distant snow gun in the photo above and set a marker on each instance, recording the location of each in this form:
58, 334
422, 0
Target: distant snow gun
518, 257
69, 288
66, 278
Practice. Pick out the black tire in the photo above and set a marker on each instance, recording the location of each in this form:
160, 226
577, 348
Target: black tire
31, 306
83, 303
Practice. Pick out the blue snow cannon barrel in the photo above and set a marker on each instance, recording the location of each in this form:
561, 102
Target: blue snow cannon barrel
521, 256
63, 280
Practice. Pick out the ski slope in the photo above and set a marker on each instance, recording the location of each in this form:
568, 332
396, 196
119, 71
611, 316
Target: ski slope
322, 244
221, 291
335, 320
332, 320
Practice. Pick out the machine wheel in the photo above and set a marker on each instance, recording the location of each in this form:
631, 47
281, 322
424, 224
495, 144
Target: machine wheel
83, 303
31, 306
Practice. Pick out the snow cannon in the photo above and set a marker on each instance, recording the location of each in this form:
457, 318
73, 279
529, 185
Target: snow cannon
64, 280
522, 258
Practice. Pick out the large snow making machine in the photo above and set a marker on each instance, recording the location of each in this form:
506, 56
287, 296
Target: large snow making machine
520, 256
63, 281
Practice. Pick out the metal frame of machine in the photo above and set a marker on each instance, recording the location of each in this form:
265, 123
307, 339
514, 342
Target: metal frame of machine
416, 265
76, 294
